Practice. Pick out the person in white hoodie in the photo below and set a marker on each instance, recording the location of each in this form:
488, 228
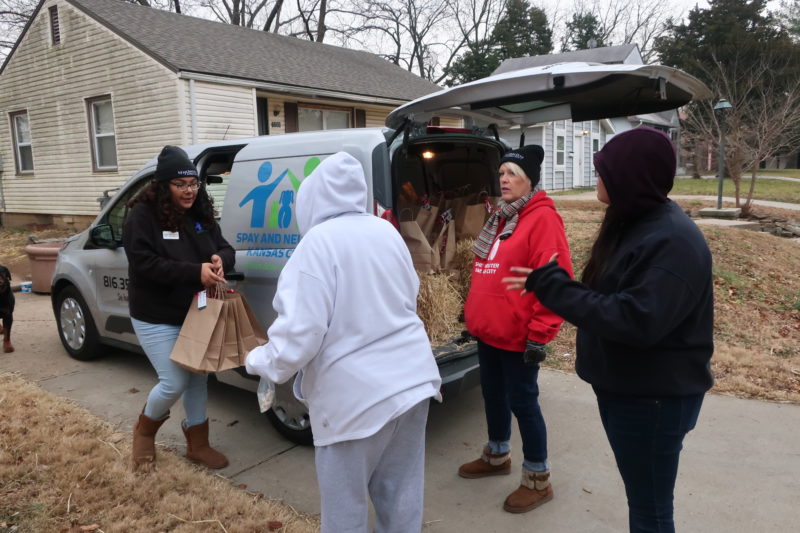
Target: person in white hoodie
347, 325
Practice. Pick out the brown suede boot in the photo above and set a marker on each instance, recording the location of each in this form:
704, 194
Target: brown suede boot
144, 442
489, 464
533, 491
198, 449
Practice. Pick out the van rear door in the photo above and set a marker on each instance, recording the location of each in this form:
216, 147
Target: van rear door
577, 91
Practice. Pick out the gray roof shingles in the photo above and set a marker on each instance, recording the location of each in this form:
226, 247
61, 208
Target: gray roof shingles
191, 44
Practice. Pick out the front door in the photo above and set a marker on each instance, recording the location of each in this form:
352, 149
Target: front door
578, 160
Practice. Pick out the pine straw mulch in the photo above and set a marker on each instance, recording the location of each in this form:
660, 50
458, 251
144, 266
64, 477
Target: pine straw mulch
64, 470
757, 302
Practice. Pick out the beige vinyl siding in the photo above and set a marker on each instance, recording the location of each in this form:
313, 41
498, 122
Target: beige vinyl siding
275, 102
222, 111
375, 114
53, 83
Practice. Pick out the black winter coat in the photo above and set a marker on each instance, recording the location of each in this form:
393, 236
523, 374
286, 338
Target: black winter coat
648, 328
164, 272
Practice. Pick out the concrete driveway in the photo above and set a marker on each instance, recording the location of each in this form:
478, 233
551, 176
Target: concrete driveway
740, 470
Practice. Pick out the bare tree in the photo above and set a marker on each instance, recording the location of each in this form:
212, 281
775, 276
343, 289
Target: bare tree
764, 117
628, 21
406, 32
14, 14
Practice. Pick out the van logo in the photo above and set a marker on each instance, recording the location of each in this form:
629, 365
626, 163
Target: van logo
276, 214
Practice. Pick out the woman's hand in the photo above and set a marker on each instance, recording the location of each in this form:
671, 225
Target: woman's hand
516, 283
216, 264
209, 276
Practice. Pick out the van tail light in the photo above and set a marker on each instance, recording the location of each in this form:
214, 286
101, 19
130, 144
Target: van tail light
386, 214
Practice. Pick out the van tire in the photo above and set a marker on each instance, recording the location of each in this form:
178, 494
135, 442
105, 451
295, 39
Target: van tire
75, 325
289, 416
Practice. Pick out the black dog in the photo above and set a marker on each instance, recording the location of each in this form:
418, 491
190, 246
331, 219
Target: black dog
6, 308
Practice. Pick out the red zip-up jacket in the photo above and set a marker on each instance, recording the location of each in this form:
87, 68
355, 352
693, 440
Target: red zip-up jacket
505, 319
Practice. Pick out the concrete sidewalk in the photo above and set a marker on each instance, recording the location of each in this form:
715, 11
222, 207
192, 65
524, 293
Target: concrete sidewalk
739, 469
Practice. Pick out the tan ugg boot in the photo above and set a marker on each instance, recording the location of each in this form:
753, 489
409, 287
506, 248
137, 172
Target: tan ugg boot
489, 464
199, 451
143, 451
534, 490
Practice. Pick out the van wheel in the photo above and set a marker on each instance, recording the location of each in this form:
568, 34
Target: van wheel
75, 325
289, 416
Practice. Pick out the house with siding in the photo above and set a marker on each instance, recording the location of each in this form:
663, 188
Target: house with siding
569, 146
94, 88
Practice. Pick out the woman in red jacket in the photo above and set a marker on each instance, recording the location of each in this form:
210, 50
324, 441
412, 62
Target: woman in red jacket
513, 329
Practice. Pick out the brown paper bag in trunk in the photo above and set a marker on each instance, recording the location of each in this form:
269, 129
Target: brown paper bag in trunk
444, 246
426, 218
422, 254
470, 221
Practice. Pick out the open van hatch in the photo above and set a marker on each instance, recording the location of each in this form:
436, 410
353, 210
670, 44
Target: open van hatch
577, 91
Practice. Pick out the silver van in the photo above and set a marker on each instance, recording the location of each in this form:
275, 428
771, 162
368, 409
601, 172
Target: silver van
254, 183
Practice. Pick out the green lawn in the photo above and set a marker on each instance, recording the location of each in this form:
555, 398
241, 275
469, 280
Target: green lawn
766, 189
786, 172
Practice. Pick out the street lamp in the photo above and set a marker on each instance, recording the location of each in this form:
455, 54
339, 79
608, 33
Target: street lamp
721, 110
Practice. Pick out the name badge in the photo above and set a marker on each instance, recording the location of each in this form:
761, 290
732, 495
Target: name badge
170, 235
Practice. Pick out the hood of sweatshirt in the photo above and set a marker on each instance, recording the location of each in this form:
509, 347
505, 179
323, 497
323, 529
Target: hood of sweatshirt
337, 186
638, 169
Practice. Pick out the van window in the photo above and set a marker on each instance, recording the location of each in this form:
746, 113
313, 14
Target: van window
215, 168
116, 216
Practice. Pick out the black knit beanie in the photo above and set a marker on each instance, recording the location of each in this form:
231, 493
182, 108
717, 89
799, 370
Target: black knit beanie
174, 163
529, 158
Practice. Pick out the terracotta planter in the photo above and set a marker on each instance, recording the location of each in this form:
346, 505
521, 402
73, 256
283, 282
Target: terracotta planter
43, 263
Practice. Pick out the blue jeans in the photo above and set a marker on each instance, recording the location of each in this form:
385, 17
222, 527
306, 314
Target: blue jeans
157, 341
646, 435
509, 386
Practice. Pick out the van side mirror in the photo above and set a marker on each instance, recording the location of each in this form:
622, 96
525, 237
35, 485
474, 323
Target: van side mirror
102, 236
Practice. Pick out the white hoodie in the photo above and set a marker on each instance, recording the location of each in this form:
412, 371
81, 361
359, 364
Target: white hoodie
347, 313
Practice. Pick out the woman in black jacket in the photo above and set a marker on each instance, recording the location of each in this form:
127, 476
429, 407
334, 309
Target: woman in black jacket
175, 249
644, 314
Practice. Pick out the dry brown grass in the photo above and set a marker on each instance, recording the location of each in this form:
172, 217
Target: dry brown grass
63, 469
14, 240
757, 303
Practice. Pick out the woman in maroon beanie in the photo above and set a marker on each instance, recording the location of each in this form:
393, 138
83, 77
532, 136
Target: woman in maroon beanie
644, 313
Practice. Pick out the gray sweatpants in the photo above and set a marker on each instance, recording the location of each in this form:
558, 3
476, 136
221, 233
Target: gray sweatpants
387, 467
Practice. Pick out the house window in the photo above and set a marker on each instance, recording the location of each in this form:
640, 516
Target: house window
23, 149
560, 150
103, 137
313, 118
595, 145
55, 29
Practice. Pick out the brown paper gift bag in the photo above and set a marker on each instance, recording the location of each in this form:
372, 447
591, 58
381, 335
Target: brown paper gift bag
422, 254
444, 246
219, 336
426, 218
195, 338
249, 332
470, 221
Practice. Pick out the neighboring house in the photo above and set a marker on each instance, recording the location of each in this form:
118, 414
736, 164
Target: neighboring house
569, 146
94, 88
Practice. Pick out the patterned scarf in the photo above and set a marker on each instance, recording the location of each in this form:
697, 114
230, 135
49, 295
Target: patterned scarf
508, 212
